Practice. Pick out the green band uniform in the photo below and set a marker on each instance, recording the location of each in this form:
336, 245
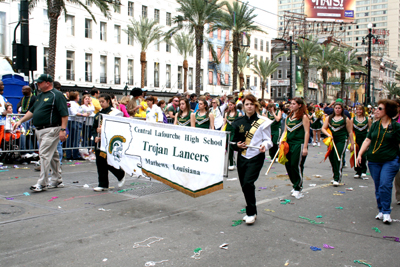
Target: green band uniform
316, 124
296, 160
361, 131
184, 121
229, 128
275, 133
340, 135
202, 121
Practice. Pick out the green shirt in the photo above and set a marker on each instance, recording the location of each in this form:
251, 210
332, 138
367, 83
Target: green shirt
48, 109
276, 125
360, 128
171, 108
202, 121
339, 130
184, 121
229, 121
387, 149
295, 131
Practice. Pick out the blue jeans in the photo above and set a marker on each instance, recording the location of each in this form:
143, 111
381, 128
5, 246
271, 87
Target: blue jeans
60, 151
383, 174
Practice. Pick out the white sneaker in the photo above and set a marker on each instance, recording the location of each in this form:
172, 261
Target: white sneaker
251, 219
363, 175
398, 202
26, 156
314, 144
35, 155
387, 219
99, 189
332, 181
345, 165
297, 194
379, 216
245, 218
356, 176
319, 144
335, 183
291, 192
231, 168
121, 183
276, 160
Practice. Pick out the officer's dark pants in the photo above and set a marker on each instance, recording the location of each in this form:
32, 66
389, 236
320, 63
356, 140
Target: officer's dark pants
103, 168
248, 171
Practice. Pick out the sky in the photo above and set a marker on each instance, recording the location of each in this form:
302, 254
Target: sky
265, 18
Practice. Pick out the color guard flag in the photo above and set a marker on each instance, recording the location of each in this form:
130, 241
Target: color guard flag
328, 141
283, 150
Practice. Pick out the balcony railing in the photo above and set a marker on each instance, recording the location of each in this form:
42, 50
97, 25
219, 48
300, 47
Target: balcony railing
117, 79
190, 86
168, 84
130, 81
88, 77
103, 79
156, 83
70, 76
179, 85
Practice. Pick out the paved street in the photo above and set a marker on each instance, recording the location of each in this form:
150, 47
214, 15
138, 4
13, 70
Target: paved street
70, 230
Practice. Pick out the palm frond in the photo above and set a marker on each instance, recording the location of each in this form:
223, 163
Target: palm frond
145, 31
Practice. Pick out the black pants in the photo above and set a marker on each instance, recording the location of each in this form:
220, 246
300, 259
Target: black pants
103, 168
249, 170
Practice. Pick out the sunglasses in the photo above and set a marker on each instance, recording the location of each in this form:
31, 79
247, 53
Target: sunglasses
380, 108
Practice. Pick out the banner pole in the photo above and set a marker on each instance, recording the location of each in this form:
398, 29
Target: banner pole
269, 168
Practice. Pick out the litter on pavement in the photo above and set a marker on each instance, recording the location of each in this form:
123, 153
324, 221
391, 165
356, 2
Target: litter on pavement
147, 245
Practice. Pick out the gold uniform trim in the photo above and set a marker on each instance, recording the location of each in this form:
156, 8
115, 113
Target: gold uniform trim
250, 134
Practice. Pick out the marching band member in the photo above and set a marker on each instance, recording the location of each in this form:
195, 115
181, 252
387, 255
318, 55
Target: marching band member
274, 115
251, 130
316, 125
184, 113
361, 124
296, 134
205, 121
341, 127
231, 115
101, 157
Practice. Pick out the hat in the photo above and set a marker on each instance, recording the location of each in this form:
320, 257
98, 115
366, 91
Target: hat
369, 106
86, 92
316, 106
44, 78
136, 92
236, 91
230, 96
339, 100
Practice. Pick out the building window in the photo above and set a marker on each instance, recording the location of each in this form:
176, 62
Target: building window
88, 67
157, 15
280, 59
226, 81
255, 60
288, 74
168, 48
103, 31
168, 19
130, 9
261, 45
45, 59
190, 53
218, 78
179, 77
210, 77
156, 75
117, 70
227, 35
219, 34
168, 76
88, 28
117, 7
218, 53
130, 71
266, 46
227, 57
144, 11
190, 79
103, 69
46, 22
210, 57
279, 74
130, 40
117, 34
157, 45
255, 43
255, 81
247, 82
70, 20
70, 65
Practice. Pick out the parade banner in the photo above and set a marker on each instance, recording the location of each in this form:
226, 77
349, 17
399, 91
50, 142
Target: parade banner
190, 160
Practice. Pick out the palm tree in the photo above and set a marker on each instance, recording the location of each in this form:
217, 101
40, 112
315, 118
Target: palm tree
54, 10
347, 61
145, 31
264, 69
184, 43
243, 62
307, 49
239, 19
326, 62
195, 15
392, 88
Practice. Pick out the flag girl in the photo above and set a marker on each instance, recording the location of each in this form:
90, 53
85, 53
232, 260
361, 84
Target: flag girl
361, 124
230, 116
275, 116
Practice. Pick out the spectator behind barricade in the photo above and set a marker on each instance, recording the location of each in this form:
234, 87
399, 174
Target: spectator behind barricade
134, 104
162, 106
95, 95
217, 113
10, 121
143, 105
193, 102
75, 122
223, 103
263, 108
174, 108
3, 102
122, 105
27, 100
153, 112
240, 108
114, 101
208, 98
87, 108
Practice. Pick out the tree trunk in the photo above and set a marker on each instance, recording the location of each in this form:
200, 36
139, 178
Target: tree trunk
199, 44
262, 90
54, 13
235, 49
324, 79
185, 68
143, 63
241, 80
342, 80
305, 80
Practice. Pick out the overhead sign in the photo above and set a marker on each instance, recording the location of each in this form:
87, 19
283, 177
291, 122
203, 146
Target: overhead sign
280, 82
330, 10
191, 160
335, 83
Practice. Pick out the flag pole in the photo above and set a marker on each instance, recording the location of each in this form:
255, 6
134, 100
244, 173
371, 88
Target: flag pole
337, 154
269, 168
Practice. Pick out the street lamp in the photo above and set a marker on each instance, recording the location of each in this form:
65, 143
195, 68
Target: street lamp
290, 43
370, 36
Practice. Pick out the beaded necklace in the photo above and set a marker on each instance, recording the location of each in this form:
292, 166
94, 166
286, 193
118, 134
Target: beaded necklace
377, 138
25, 109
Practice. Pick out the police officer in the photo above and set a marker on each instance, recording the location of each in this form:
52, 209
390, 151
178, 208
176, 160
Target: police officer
50, 117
